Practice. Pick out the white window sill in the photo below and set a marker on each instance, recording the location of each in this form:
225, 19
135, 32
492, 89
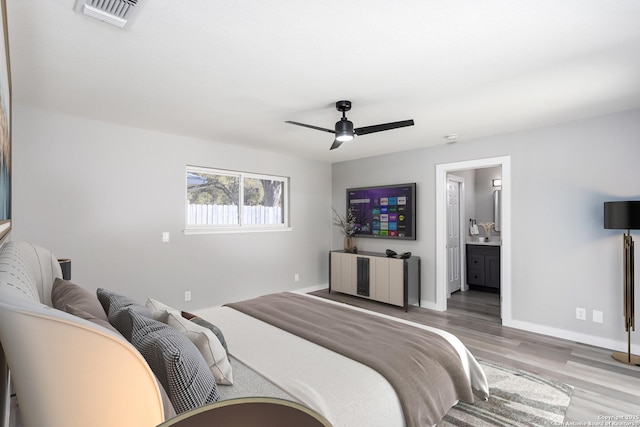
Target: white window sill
227, 230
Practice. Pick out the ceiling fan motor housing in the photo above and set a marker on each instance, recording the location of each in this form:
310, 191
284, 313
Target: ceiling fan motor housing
344, 126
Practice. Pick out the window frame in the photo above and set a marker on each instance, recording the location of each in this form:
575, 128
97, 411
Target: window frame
240, 227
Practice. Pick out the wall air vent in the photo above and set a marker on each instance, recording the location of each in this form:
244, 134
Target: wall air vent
115, 12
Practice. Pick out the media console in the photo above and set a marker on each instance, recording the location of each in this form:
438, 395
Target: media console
376, 276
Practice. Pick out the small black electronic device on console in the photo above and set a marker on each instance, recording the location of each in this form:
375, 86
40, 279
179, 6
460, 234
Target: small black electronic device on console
392, 254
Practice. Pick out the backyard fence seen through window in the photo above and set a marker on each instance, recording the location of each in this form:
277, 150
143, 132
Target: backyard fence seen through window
202, 214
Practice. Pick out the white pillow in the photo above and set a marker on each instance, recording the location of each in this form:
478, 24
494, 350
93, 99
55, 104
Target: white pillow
160, 311
208, 345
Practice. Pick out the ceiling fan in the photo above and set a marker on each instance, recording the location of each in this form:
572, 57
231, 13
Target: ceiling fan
344, 130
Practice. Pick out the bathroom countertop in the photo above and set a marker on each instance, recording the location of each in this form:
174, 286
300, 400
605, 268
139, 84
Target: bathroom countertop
473, 240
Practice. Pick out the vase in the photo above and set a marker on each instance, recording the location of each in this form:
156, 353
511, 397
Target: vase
348, 244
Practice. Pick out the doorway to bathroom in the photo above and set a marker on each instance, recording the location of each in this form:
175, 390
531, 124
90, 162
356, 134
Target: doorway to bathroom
451, 261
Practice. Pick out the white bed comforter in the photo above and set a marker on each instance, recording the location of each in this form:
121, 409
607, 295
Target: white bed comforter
347, 393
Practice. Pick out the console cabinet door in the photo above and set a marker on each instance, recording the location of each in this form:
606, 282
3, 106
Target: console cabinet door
342, 273
396, 281
390, 280
382, 280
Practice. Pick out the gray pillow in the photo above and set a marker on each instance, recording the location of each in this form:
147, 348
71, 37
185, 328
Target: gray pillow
113, 301
213, 328
65, 293
175, 361
123, 322
72, 309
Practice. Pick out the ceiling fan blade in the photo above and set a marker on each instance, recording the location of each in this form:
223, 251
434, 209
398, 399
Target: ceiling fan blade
385, 126
310, 126
335, 145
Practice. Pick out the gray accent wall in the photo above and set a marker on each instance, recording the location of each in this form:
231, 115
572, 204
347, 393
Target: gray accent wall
562, 258
102, 195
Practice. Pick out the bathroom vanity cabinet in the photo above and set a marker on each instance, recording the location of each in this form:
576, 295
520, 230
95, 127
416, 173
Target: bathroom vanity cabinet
483, 266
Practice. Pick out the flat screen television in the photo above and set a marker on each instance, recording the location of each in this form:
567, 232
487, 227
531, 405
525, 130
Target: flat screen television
386, 211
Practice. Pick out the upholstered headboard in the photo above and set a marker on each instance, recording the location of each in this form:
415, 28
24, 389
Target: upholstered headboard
66, 370
27, 271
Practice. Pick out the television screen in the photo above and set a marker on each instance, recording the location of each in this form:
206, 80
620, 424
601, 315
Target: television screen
387, 211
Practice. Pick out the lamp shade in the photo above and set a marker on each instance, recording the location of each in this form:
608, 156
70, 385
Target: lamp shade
622, 215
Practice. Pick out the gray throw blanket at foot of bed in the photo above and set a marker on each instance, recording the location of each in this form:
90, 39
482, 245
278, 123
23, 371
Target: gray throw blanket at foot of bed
423, 368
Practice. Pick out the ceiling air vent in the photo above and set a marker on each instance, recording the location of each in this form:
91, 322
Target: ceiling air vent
115, 12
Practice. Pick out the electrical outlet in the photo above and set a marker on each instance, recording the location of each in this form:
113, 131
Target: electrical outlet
598, 316
187, 296
296, 277
581, 313
165, 237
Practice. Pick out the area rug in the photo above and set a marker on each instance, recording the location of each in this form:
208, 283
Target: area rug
517, 398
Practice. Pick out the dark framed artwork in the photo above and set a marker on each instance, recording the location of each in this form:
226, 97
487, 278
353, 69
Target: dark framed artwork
5, 127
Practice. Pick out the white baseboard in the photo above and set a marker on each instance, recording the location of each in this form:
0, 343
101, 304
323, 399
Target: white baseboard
429, 305
572, 336
310, 289
607, 343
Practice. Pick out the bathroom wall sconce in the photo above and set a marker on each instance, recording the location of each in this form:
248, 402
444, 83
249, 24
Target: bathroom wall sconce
497, 182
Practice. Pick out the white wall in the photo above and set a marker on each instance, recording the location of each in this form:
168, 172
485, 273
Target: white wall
562, 258
102, 195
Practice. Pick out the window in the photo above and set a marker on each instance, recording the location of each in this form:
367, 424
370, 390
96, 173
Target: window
220, 200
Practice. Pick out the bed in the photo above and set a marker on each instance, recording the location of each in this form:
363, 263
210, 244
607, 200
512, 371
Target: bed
347, 392
268, 350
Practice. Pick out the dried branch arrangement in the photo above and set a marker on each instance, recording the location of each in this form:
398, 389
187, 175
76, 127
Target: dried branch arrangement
487, 227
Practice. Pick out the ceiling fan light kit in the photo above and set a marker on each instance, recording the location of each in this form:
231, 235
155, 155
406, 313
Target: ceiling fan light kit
344, 130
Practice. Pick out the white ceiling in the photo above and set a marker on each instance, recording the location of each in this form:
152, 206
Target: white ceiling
233, 71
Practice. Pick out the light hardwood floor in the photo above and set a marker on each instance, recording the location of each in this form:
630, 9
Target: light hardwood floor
602, 386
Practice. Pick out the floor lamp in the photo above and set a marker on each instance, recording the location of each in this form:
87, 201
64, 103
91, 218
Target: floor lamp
625, 216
